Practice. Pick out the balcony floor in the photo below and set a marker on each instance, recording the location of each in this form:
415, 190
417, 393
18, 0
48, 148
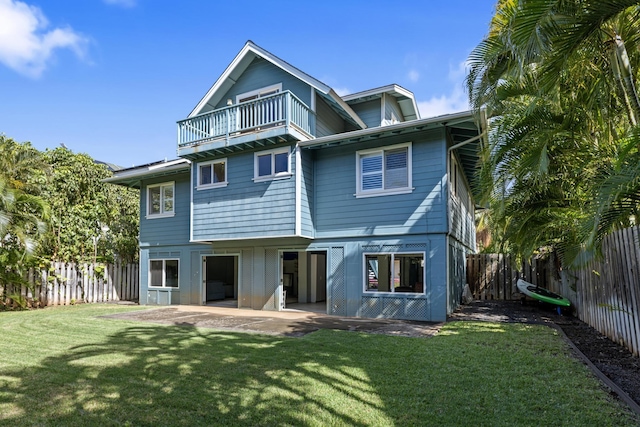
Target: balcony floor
242, 141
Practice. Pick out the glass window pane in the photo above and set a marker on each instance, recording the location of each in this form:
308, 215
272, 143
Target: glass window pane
264, 165
371, 163
378, 273
219, 172
205, 174
371, 172
171, 273
168, 198
154, 200
155, 273
372, 182
396, 170
408, 273
282, 162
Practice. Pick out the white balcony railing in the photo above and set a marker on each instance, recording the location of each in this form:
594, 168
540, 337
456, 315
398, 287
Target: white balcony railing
281, 109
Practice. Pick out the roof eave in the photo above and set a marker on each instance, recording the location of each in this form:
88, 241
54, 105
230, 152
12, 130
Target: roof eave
445, 120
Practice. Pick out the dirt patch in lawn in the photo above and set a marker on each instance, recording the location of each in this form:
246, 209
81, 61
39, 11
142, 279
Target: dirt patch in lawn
288, 323
613, 360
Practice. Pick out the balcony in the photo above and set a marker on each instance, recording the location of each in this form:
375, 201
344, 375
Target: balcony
268, 120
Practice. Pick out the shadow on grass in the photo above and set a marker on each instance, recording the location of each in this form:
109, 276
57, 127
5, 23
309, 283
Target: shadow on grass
156, 375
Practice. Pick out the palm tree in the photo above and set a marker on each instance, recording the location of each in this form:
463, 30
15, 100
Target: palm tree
558, 84
23, 216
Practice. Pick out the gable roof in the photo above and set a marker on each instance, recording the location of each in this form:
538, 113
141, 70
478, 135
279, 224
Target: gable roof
248, 53
404, 97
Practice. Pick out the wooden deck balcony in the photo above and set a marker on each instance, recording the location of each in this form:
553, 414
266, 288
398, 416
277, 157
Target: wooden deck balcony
258, 122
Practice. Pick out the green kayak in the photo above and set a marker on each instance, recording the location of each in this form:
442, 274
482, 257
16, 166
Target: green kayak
542, 294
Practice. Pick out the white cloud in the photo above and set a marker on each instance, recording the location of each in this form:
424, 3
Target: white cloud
413, 75
454, 101
25, 46
121, 3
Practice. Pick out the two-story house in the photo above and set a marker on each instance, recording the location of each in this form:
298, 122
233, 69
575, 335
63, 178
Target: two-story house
284, 190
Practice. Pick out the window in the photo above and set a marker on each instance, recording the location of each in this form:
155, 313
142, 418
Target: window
384, 171
163, 273
394, 273
160, 200
212, 174
271, 164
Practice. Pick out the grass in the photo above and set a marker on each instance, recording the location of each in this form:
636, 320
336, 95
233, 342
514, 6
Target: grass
66, 366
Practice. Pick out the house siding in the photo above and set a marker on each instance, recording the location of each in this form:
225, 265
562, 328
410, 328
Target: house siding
307, 194
189, 290
261, 73
328, 122
369, 112
339, 213
244, 208
169, 230
462, 212
391, 107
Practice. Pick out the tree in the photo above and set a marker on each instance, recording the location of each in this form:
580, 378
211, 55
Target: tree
23, 216
557, 81
89, 219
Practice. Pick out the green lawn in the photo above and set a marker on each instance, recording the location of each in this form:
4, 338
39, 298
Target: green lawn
65, 366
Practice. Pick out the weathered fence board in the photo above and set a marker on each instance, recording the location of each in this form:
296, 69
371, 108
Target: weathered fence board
65, 284
608, 290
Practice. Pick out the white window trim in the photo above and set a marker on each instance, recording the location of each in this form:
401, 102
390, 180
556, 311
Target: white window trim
164, 273
276, 87
280, 175
366, 273
213, 184
161, 214
382, 192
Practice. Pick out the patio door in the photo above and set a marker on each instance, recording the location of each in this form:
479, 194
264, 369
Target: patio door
220, 277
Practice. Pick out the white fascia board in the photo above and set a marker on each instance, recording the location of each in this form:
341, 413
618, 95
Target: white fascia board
393, 90
444, 120
347, 109
389, 89
142, 171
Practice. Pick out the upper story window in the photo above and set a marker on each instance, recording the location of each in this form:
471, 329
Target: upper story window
384, 171
272, 164
259, 93
212, 174
160, 198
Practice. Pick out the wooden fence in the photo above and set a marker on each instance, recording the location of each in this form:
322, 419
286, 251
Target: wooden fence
605, 293
493, 276
66, 284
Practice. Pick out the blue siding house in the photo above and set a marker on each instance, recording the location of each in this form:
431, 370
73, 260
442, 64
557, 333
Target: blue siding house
286, 193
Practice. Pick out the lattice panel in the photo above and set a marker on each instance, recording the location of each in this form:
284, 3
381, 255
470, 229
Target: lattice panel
417, 309
393, 308
338, 304
271, 278
247, 279
372, 248
416, 245
370, 307
391, 248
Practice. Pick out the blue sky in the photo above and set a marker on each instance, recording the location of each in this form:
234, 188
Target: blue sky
111, 77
